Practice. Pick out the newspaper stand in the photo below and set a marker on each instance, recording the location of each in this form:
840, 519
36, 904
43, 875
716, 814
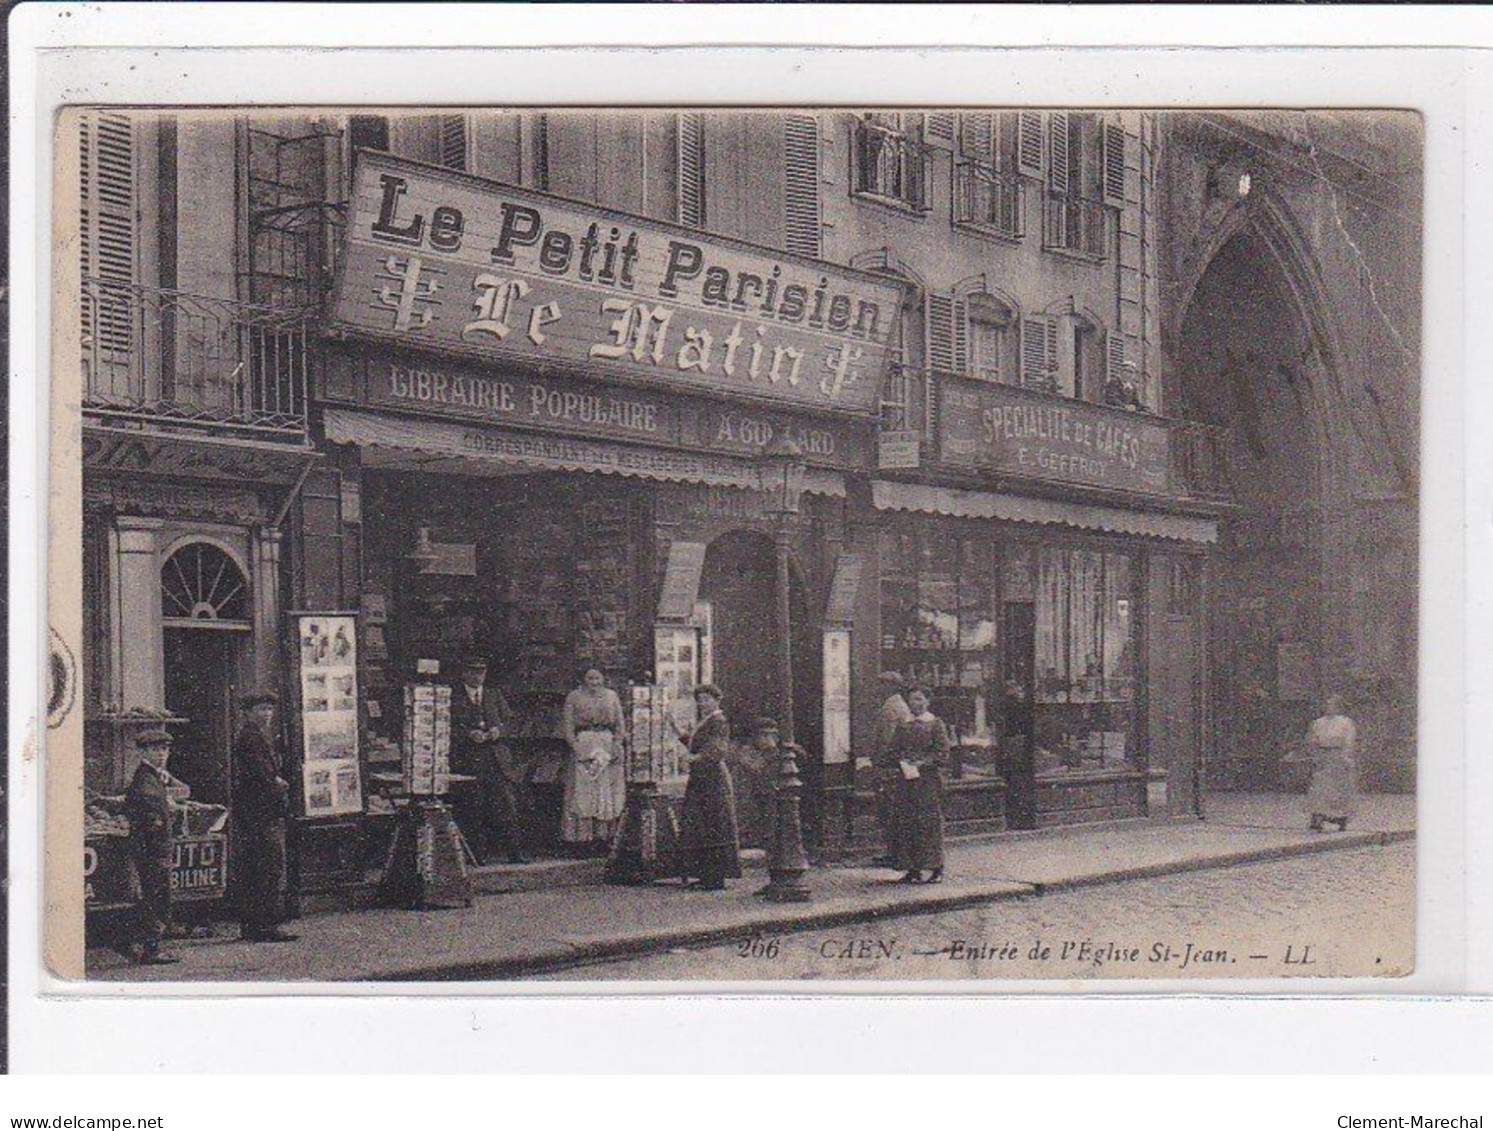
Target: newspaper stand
426, 866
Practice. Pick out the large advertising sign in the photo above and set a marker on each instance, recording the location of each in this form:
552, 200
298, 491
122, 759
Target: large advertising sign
1038, 437
439, 260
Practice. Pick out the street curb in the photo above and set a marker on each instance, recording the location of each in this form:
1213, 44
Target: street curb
602, 950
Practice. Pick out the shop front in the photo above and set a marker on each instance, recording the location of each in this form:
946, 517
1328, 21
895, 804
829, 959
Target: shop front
1060, 635
559, 465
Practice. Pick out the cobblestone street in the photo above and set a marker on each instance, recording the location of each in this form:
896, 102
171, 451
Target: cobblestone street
1328, 909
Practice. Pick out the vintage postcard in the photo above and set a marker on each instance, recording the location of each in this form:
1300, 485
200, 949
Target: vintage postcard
933, 545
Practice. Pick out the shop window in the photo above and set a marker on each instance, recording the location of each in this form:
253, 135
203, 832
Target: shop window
1085, 661
201, 583
938, 628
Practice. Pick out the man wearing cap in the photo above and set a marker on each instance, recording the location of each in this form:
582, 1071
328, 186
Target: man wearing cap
893, 712
261, 803
489, 810
147, 806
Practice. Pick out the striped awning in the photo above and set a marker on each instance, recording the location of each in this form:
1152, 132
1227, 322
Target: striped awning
959, 503
451, 447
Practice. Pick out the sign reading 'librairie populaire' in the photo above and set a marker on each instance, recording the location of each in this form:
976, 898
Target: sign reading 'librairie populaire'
442, 261
1040, 437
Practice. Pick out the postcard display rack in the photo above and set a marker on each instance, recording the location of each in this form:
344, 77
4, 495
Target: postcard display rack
426, 864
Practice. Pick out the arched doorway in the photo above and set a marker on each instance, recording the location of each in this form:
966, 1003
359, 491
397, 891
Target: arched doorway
739, 583
206, 612
1248, 365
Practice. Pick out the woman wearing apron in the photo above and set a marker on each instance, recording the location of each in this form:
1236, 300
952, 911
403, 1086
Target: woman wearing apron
595, 775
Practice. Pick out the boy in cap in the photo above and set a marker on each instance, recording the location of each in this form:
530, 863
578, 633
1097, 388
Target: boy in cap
147, 805
261, 803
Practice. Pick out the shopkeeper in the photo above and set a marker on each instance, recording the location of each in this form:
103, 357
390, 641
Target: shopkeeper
493, 809
147, 805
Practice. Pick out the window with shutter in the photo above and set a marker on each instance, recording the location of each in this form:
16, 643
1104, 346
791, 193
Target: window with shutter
454, 143
801, 227
1029, 143
1114, 165
939, 127
109, 205
690, 134
978, 137
1039, 349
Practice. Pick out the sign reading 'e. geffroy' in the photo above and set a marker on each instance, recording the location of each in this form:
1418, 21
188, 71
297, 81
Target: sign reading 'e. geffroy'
440, 260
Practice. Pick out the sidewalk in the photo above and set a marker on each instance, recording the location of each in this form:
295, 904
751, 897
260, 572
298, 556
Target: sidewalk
530, 931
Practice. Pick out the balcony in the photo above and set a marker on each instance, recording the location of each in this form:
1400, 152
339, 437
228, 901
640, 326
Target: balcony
989, 202
208, 365
891, 167
1076, 225
1200, 460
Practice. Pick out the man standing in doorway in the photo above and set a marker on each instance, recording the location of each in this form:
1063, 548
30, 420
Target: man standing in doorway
893, 712
261, 803
489, 810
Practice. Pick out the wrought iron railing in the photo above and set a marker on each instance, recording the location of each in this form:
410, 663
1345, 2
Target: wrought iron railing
1200, 459
1075, 223
891, 165
153, 355
989, 201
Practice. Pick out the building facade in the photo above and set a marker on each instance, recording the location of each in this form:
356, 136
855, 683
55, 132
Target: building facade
511, 383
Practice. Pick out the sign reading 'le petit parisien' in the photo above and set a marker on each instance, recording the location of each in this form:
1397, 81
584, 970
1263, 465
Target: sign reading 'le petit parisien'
443, 261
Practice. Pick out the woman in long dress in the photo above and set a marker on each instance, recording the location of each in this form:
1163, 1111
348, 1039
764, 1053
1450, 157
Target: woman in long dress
1332, 796
595, 774
922, 750
709, 841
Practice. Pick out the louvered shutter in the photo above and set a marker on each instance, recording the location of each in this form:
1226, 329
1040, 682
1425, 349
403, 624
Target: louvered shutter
1114, 358
939, 128
690, 130
1114, 165
978, 140
961, 335
941, 355
802, 228
109, 219
1057, 161
1029, 143
453, 141
1039, 348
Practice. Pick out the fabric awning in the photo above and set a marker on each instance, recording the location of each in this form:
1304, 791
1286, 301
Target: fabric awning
452, 447
954, 501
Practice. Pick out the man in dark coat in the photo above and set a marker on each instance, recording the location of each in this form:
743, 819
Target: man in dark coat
147, 805
490, 810
709, 843
261, 803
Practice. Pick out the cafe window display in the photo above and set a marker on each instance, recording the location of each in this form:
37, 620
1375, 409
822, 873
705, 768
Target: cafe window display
938, 629
1084, 679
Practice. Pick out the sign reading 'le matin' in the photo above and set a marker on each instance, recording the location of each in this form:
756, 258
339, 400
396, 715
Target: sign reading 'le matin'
440, 260
1038, 437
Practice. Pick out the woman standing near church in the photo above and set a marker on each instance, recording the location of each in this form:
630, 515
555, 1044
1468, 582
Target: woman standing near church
595, 775
1332, 796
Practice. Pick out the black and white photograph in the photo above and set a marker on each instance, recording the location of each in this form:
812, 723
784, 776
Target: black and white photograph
950, 544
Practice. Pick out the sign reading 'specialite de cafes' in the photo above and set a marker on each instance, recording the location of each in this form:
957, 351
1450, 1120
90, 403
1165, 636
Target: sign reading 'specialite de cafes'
439, 260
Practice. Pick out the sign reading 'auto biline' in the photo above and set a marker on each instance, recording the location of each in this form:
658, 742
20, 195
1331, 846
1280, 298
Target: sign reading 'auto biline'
440, 260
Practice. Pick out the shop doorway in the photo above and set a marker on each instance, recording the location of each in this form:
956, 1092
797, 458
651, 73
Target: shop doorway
1249, 366
205, 607
739, 580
